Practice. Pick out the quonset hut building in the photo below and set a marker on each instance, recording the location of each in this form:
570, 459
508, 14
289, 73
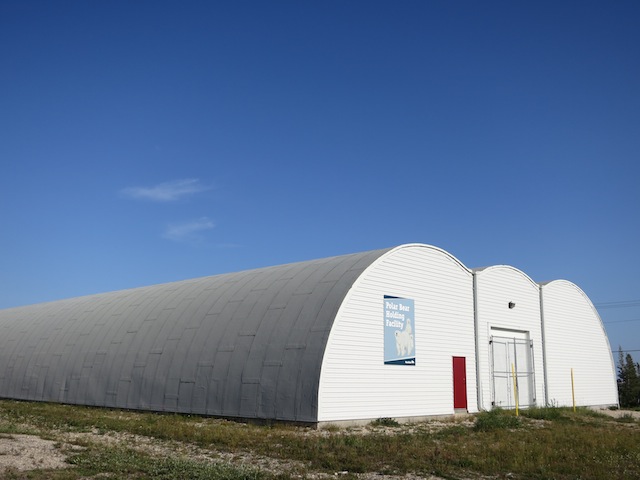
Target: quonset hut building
407, 332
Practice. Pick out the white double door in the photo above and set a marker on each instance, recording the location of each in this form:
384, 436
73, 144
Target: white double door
512, 368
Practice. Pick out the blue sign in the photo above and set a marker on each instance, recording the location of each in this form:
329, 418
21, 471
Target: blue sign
399, 333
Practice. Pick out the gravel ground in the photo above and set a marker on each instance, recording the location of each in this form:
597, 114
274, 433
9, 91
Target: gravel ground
29, 452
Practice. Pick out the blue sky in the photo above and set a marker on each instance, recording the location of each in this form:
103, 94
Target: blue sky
151, 141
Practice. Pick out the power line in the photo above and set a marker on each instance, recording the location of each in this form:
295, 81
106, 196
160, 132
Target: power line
623, 321
621, 304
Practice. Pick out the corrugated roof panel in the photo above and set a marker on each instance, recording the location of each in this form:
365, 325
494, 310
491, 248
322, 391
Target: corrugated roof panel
241, 344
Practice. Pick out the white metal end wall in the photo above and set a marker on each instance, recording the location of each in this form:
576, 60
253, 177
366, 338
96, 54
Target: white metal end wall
495, 289
575, 339
356, 384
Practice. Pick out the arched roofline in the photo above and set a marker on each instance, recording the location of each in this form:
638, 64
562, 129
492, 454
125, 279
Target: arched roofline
570, 284
478, 270
430, 247
543, 285
392, 251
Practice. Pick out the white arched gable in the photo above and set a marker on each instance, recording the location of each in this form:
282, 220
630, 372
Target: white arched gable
575, 339
507, 306
355, 382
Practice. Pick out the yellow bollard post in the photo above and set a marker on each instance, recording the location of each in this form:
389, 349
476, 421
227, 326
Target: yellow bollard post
573, 391
515, 387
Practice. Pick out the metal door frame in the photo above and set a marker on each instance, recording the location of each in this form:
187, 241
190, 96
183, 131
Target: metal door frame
521, 375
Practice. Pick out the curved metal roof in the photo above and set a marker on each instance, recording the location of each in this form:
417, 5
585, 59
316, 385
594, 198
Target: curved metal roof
505, 267
247, 344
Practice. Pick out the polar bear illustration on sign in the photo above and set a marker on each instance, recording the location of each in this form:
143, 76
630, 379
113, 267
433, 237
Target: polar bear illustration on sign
404, 340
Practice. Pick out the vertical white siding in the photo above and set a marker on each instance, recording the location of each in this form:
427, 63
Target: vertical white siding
495, 287
355, 384
575, 338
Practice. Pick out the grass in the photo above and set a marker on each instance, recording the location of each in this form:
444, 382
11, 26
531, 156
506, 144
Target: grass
542, 443
496, 419
127, 462
544, 413
626, 418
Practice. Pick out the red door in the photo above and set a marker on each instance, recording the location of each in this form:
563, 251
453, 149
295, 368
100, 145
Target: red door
459, 383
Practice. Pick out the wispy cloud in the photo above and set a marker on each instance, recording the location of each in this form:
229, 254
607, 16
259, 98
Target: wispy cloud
189, 232
167, 191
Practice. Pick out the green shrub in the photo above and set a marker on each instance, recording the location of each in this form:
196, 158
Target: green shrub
496, 419
385, 422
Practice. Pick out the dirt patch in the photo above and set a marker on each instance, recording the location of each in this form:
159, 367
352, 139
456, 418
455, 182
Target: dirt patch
620, 413
28, 452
